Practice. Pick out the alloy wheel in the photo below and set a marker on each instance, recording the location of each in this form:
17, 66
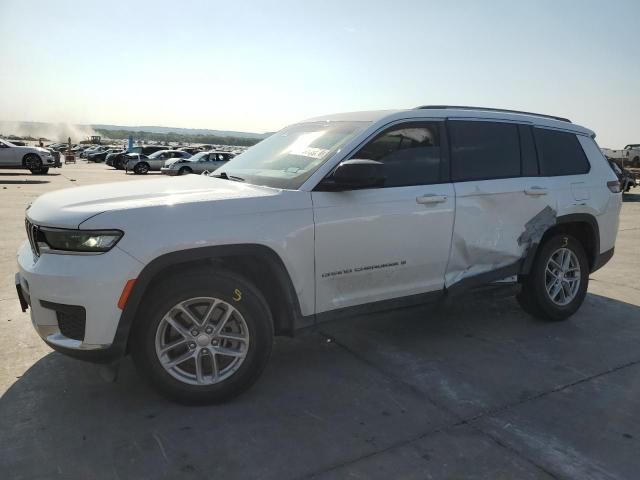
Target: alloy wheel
562, 276
202, 341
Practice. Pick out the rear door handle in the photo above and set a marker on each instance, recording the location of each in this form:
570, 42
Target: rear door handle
535, 190
431, 198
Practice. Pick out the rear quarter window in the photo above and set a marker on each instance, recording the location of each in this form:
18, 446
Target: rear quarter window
560, 153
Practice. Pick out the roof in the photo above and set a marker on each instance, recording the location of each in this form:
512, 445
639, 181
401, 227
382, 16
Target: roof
442, 111
367, 116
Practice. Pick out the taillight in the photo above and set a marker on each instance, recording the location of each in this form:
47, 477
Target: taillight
614, 186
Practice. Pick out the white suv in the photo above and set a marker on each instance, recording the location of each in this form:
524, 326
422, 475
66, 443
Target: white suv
333, 216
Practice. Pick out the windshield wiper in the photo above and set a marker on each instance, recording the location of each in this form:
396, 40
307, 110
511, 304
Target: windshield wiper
225, 176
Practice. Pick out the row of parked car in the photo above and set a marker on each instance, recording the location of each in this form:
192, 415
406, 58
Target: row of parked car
143, 159
171, 162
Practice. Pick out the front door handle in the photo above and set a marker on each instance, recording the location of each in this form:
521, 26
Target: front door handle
535, 190
431, 198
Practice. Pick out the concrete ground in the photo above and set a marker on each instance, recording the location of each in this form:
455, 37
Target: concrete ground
474, 390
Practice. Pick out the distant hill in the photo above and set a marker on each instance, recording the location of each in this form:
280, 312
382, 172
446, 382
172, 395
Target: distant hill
182, 131
61, 131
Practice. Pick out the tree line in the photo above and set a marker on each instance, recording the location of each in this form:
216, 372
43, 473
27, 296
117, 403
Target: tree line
177, 137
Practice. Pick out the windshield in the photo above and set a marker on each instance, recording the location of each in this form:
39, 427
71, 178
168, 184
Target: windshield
158, 153
7, 143
289, 157
198, 156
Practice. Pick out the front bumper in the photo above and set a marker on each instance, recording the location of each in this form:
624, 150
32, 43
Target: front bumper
54, 284
51, 161
169, 171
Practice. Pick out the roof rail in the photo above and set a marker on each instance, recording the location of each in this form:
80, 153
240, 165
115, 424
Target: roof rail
503, 110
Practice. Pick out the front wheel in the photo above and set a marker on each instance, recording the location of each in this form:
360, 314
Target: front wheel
184, 171
33, 163
141, 168
204, 338
558, 281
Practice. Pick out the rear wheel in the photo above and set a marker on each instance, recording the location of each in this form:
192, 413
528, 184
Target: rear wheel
141, 168
204, 338
557, 284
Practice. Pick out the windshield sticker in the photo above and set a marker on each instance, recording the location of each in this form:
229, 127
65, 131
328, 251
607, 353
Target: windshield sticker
310, 152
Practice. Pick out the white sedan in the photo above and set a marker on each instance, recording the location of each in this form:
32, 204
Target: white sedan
36, 159
199, 163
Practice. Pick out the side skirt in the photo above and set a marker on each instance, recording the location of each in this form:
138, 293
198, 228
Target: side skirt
482, 282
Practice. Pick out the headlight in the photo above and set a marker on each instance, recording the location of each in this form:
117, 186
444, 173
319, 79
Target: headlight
96, 241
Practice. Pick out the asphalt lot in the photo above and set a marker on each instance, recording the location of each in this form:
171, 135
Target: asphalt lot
475, 389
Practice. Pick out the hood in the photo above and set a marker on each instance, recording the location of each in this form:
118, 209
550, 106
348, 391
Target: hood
32, 149
70, 207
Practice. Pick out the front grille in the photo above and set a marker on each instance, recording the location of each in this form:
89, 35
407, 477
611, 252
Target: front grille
72, 319
33, 234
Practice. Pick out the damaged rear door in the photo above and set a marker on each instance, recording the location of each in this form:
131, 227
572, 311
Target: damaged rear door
502, 205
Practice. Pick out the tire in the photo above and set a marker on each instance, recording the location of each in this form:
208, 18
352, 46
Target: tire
536, 299
184, 171
141, 168
635, 163
152, 332
33, 162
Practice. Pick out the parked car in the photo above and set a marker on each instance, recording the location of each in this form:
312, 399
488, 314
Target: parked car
629, 156
626, 178
334, 216
36, 159
59, 147
141, 164
118, 160
191, 150
199, 163
93, 149
101, 156
148, 149
110, 159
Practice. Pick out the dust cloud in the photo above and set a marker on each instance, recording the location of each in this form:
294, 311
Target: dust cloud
58, 132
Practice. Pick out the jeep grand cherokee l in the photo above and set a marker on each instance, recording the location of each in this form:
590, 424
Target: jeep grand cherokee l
333, 216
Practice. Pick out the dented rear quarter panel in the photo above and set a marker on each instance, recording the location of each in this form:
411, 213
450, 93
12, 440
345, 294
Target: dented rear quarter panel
496, 222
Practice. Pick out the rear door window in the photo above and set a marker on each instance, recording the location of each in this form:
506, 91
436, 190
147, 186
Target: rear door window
484, 150
560, 153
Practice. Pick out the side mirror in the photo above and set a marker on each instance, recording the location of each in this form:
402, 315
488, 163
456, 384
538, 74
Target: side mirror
355, 174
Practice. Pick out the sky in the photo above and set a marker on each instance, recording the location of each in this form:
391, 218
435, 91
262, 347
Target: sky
260, 65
